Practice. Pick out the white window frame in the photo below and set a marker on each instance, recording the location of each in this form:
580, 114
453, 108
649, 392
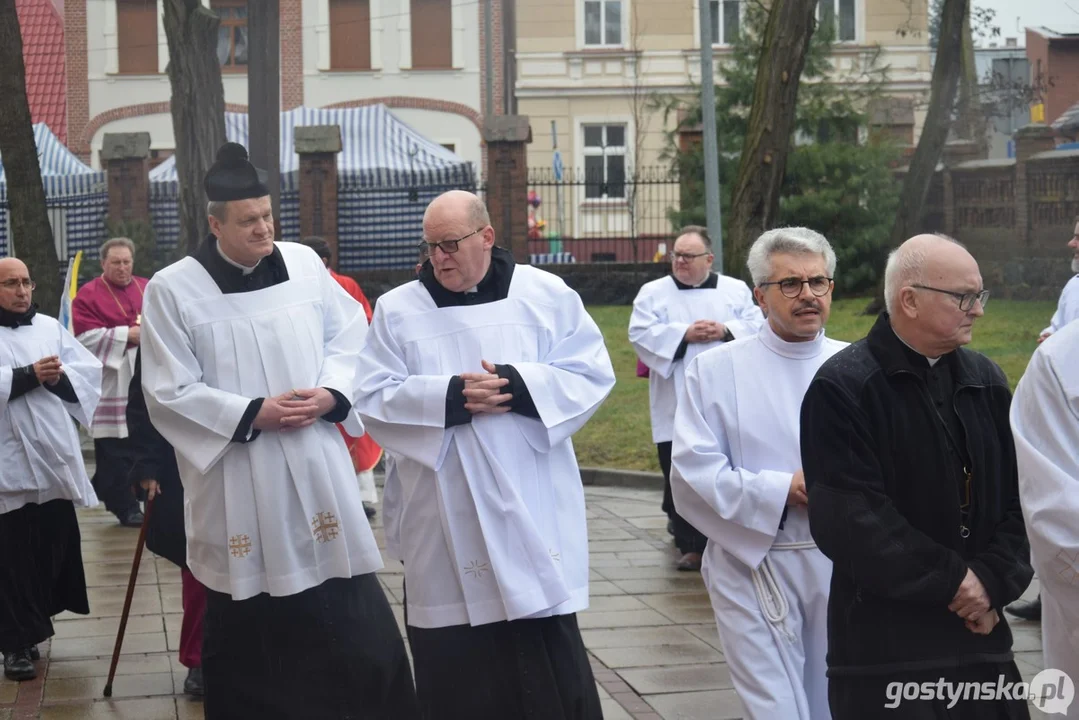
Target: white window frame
582, 45
583, 152
322, 35
111, 36
458, 27
719, 20
859, 14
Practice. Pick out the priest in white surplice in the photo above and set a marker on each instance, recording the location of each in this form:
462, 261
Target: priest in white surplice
736, 474
1067, 311
249, 355
1045, 424
46, 379
474, 378
674, 319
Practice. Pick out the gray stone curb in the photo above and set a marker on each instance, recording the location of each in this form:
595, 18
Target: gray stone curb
609, 477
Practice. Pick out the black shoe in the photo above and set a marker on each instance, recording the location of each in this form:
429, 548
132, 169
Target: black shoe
1027, 610
131, 517
193, 684
35, 654
19, 666
369, 510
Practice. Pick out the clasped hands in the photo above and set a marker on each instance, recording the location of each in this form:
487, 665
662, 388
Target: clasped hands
483, 391
294, 409
48, 370
705, 331
971, 602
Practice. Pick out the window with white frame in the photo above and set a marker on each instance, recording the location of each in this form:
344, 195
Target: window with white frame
604, 161
602, 22
726, 20
841, 14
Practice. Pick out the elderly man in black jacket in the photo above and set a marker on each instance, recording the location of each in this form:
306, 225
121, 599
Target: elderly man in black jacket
911, 475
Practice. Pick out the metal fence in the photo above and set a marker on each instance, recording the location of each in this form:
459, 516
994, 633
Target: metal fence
601, 213
78, 223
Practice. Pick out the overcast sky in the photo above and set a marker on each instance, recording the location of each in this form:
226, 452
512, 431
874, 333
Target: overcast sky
1015, 15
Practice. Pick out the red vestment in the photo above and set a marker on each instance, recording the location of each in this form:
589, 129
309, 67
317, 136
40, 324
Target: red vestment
365, 452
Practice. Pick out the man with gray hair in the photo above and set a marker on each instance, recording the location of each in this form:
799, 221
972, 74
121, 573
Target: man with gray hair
737, 476
107, 319
913, 492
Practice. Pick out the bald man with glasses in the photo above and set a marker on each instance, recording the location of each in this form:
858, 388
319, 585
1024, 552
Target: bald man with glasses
675, 319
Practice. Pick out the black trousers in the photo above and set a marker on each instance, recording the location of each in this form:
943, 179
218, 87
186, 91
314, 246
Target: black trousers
520, 670
686, 537
112, 479
331, 651
41, 573
859, 698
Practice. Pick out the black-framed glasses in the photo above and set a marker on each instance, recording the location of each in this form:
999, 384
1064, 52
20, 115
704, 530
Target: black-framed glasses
448, 246
12, 284
792, 287
966, 300
688, 256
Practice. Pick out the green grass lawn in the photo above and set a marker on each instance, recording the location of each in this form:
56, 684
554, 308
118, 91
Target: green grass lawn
620, 436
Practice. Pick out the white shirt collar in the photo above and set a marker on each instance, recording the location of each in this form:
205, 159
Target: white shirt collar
246, 270
932, 361
794, 350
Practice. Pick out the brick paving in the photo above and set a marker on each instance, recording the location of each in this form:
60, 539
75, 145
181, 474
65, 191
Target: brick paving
650, 631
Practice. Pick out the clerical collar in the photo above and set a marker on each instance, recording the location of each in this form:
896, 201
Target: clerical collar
709, 283
785, 348
233, 278
242, 268
494, 286
931, 361
13, 320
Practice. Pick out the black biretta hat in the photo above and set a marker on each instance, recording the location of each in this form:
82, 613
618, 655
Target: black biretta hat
233, 177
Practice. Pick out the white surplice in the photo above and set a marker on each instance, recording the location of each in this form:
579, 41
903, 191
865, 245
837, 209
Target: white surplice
281, 513
109, 346
735, 450
490, 515
1067, 307
661, 315
40, 451
1045, 424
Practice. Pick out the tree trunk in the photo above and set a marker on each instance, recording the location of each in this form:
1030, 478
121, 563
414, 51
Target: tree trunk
198, 109
755, 196
968, 110
30, 236
938, 122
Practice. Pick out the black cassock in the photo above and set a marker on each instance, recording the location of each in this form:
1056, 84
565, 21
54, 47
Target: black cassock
331, 651
154, 458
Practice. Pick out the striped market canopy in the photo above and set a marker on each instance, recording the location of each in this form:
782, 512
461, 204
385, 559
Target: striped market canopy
377, 151
387, 173
62, 174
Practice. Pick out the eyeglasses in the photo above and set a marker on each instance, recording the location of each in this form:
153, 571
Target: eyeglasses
447, 246
966, 300
12, 284
687, 256
792, 287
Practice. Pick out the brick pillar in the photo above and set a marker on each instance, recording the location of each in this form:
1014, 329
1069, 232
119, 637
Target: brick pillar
317, 146
127, 165
1029, 140
505, 137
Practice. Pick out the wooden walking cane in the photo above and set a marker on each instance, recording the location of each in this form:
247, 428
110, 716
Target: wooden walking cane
130, 593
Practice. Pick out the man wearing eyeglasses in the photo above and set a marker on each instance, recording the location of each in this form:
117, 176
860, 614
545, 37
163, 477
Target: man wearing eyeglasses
46, 378
910, 468
674, 319
736, 474
474, 378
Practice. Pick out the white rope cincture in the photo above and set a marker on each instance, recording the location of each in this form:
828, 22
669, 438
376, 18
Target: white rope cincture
770, 596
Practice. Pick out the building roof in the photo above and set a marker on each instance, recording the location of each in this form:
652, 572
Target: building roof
44, 54
1069, 31
1068, 122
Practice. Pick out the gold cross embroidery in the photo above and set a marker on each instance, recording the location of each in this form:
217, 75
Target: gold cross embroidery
476, 569
240, 545
325, 527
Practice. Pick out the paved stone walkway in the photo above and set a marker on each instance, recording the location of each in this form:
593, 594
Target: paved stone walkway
650, 629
